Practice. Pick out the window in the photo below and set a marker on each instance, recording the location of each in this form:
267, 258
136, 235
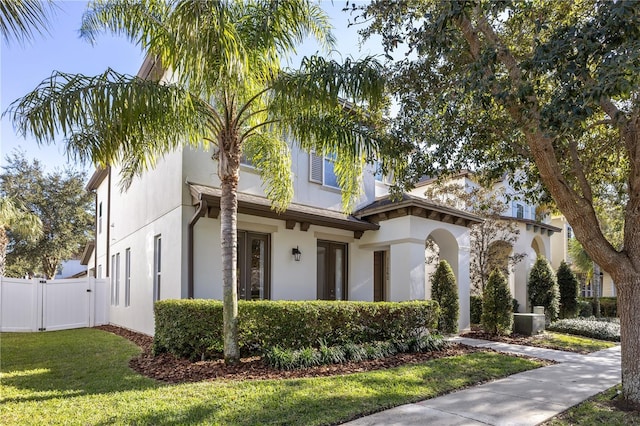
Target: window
322, 170
99, 271
115, 279
569, 232
253, 266
387, 179
332, 270
519, 211
100, 218
127, 277
157, 266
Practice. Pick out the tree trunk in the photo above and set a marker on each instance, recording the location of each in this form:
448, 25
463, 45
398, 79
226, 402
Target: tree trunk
4, 241
229, 241
628, 308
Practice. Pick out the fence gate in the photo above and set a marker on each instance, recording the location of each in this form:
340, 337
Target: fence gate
47, 305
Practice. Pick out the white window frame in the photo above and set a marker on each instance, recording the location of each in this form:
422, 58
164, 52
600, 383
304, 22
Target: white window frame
100, 217
157, 266
127, 277
316, 161
115, 279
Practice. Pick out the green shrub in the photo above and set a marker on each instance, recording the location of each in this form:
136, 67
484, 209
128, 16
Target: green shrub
515, 305
543, 288
444, 290
569, 287
608, 307
497, 305
289, 359
585, 309
475, 307
193, 328
589, 327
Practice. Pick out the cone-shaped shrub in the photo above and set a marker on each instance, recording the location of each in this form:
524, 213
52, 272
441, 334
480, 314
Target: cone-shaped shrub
569, 288
497, 305
543, 288
444, 290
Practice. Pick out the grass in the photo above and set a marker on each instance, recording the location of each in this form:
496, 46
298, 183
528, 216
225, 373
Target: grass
82, 377
567, 342
599, 410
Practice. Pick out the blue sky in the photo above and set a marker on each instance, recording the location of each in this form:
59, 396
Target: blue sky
23, 67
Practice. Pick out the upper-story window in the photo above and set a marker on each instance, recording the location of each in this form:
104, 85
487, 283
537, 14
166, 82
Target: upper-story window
379, 176
322, 170
100, 218
519, 211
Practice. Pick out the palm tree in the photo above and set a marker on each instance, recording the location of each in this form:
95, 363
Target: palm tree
20, 221
22, 19
224, 87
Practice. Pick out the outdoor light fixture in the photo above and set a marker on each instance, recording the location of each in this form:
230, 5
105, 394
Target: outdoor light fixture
296, 253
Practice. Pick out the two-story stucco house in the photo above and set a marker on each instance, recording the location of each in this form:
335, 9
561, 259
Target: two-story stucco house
161, 238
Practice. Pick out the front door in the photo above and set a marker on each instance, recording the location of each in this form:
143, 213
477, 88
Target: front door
253, 266
332, 270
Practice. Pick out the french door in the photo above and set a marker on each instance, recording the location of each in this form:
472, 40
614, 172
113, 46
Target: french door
332, 270
253, 266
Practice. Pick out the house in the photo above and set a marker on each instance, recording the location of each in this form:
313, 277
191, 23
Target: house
535, 231
560, 245
160, 239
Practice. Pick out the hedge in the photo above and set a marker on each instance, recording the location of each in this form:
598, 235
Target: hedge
596, 328
193, 328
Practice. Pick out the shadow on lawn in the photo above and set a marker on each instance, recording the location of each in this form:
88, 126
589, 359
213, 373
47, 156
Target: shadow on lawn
67, 364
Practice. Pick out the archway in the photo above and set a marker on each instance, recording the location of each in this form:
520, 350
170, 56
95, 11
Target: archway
440, 245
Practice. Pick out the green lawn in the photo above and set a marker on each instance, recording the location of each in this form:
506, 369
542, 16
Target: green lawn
568, 342
82, 377
599, 410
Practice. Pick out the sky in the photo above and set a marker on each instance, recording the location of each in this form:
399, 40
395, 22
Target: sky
22, 68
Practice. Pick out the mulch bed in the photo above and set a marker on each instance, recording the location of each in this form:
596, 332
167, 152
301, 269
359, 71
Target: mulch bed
168, 368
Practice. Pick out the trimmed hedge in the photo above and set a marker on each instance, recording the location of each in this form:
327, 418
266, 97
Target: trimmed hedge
193, 328
475, 307
596, 328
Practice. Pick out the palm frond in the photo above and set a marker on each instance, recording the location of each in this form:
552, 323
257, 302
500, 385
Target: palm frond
22, 20
112, 118
18, 219
270, 155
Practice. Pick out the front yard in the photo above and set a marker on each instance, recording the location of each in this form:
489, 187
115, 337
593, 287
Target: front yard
82, 377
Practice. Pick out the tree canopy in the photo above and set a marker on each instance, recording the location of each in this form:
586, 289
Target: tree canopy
62, 207
550, 89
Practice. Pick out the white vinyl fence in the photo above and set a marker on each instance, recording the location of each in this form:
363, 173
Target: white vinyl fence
47, 305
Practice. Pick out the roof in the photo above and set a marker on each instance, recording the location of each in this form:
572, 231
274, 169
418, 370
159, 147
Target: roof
96, 178
535, 225
261, 206
87, 252
386, 208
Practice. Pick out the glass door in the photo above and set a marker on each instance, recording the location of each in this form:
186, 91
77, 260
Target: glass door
253, 266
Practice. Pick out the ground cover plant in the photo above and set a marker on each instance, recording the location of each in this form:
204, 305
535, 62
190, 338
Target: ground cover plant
598, 328
605, 408
82, 376
548, 340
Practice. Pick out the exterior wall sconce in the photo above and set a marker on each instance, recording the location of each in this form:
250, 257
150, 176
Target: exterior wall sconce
296, 253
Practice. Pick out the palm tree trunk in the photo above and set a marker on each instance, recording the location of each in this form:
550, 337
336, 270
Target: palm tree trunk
229, 242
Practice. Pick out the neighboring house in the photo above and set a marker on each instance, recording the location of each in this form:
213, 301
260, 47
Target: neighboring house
535, 233
72, 268
560, 245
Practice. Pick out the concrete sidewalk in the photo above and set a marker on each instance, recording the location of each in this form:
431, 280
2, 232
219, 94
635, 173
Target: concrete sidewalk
526, 398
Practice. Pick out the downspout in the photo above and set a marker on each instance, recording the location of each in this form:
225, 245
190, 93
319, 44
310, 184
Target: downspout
200, 211
95, 248
108, 274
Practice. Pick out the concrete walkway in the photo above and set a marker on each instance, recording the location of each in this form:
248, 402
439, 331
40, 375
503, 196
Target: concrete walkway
526, 398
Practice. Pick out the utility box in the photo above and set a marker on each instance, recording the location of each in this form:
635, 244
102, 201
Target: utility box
528, 324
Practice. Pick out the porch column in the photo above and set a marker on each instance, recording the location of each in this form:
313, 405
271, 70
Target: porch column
407, 271
464, 288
